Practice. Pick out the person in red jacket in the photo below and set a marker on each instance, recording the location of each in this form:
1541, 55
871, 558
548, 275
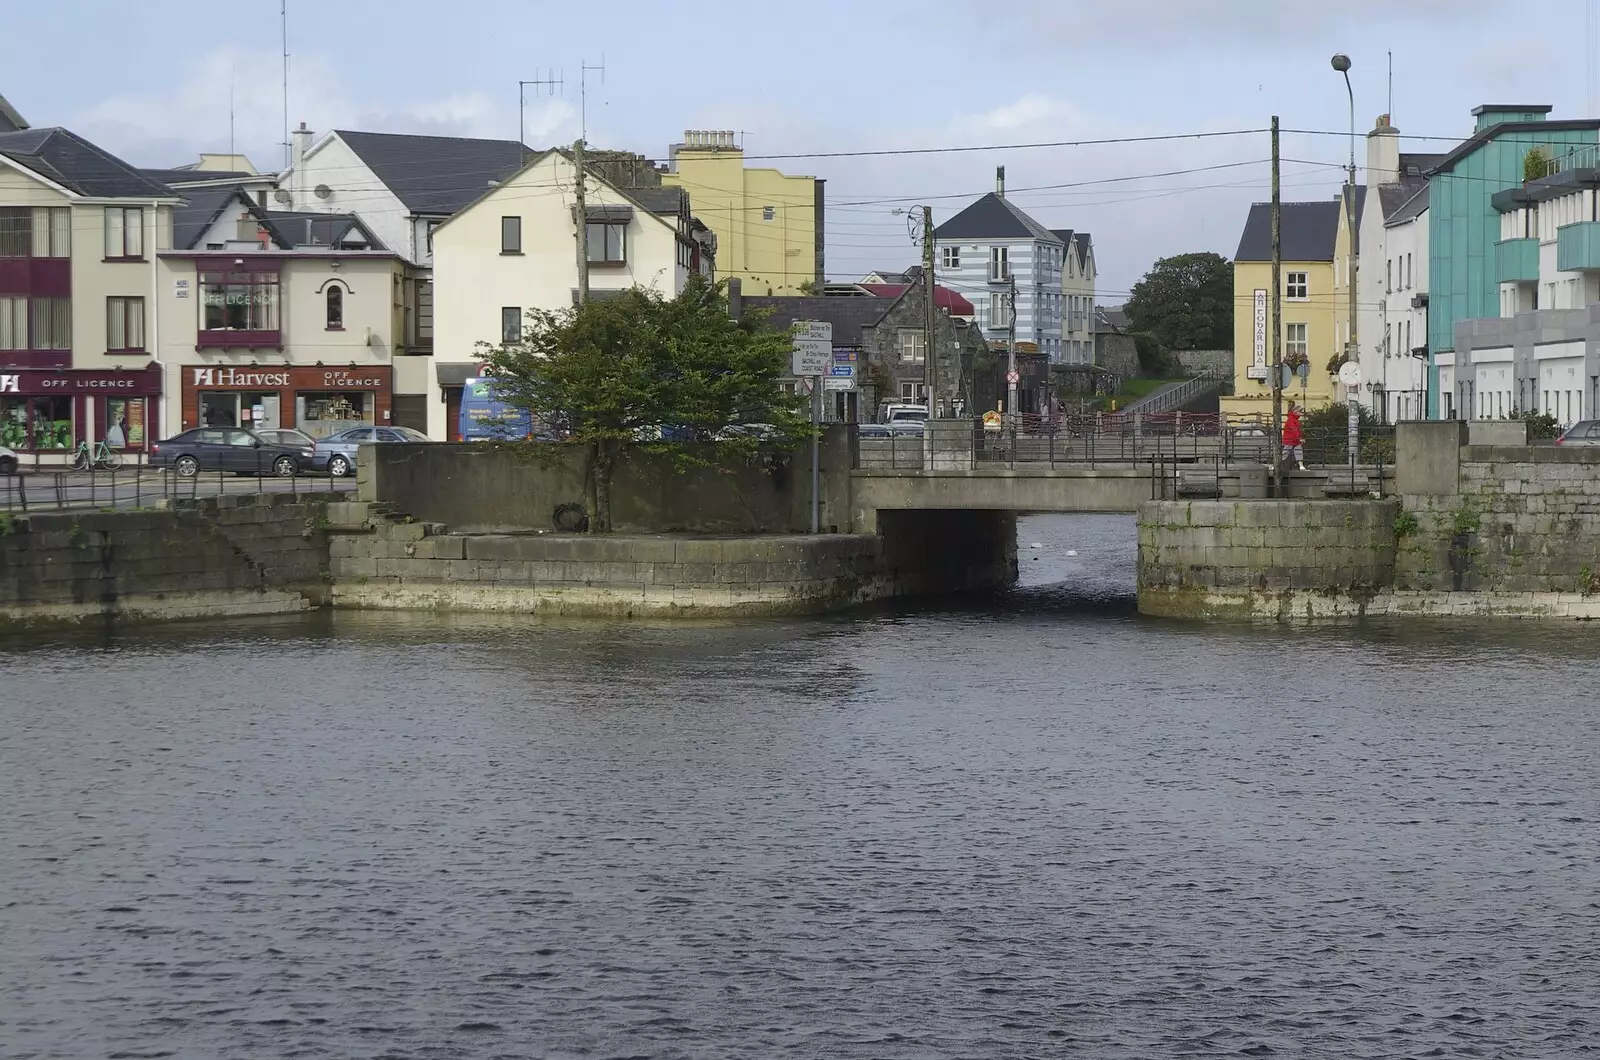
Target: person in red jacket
1293, 442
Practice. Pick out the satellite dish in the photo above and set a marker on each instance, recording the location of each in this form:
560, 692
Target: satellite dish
281, 196
322, 191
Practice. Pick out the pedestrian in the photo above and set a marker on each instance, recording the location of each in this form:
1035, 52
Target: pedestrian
1294, 448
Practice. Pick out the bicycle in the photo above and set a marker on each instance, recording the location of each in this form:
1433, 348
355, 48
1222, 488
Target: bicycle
87, 457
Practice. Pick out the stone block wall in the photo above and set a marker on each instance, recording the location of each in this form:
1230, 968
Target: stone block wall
214, 557
1523, 519
1264, 559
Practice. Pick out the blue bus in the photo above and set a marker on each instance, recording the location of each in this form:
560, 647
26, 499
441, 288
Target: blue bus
484, 418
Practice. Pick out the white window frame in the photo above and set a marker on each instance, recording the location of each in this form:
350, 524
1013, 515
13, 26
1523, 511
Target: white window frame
1290, 285
910, 345
1296, 340
951, 256
999, 264
999, 310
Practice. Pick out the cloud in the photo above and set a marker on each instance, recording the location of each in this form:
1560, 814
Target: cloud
171, 124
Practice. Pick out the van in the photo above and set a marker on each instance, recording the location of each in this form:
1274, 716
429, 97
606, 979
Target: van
899, 413
484, 418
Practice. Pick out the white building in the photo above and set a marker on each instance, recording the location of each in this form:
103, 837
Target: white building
515, 249
992, 252
1077, 298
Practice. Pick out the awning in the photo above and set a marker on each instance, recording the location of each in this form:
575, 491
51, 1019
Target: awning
455, 374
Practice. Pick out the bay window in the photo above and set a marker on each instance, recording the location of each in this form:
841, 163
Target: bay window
239, 301
13, 322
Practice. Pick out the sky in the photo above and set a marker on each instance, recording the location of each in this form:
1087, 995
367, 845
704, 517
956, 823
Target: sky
837, 77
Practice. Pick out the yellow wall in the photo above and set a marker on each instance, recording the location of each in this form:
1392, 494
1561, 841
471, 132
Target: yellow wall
729, 198
1319, 312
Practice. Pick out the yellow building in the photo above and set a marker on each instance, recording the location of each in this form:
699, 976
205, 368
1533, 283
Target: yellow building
769, 226
1314, 311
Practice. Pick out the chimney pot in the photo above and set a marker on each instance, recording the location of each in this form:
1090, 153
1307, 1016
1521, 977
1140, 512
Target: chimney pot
1000, 181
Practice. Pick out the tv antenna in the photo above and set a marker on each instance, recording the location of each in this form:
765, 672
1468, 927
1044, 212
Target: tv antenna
551, 83
583, 92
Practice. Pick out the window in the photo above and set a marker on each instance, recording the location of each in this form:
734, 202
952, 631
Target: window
124, 324
607, 244
1388, 276
13, 322
912, 345
35, 232
1296, 286
511, 323
50, 324
124, 232
952, 257
1294, 341
1408, 271
908, 392
999, 264
125, 420
769, 213
239, 301
999, 310
511, 235
335, 307
432, 227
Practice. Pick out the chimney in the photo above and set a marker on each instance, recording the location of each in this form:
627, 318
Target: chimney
1383, 153
735, 298
1000, 181
300, 186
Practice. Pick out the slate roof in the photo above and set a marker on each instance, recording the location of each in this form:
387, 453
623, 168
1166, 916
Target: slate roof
943, 297
201, 207
302, 228
10, 120
662, 201
993, 217
1411, 208
175, 177
847, 315
289, 228
436, 174
1110, 319
1308, 232
78, 165
895, 275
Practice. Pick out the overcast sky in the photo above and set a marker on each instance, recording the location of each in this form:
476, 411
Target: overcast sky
832, 75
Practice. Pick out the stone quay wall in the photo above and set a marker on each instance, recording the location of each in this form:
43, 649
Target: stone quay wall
206, 558
1275, 559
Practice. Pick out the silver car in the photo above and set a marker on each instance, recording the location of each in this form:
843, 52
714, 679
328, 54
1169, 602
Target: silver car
340, 449
8, 461
1584, 432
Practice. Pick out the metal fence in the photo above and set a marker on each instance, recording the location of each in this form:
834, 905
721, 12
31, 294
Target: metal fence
142, 487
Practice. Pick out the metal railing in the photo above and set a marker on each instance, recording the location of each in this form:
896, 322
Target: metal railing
144, 487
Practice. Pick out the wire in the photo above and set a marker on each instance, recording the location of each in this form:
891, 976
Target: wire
903, 151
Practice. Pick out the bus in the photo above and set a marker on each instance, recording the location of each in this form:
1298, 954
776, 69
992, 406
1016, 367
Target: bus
484, 418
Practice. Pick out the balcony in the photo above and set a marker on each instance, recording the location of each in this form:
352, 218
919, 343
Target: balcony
1578, 247
1516, 261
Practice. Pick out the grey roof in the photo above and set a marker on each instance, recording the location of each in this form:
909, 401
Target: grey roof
993, 217
10, 120
78, 165
1083, 242
302, 228
1110, 318
1411, 209
1477, 140
175, 177
664, 201
436, 174
201, 207
847, 315
894, 275
1309, 231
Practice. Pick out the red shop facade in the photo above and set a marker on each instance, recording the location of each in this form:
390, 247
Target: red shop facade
47, 412
317, 400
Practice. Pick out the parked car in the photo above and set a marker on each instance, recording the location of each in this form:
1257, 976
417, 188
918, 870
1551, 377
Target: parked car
235, 449
1584, 432
762, 431
8, 461
873, 430
893, 413
288, 436
337, 452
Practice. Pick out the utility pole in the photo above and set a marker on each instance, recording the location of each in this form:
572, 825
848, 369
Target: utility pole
581, 212
930, 334
1341, 63
1277, 322
1011, 347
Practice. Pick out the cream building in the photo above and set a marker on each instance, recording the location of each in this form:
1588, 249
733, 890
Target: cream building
769, 226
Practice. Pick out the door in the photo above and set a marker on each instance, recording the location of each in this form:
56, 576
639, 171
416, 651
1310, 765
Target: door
452, 414
208, 447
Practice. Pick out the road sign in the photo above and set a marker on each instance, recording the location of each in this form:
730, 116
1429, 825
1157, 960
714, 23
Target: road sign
838, 382
842, 371
1350, 373
813, 347
1012, 377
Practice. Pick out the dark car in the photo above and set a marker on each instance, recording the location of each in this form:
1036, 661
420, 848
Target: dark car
235, 449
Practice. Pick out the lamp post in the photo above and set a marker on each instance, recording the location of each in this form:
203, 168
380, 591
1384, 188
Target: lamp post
1341, 63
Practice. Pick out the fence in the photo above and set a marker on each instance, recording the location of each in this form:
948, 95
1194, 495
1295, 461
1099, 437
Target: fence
142, 487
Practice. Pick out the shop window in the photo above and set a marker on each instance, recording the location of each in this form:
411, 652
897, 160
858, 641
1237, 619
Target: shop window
335, 301
320, 414
52, 422
239, 301
124, 232
14, 423
125, 423
125, 325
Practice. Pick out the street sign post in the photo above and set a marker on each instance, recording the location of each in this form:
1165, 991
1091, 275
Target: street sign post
1350, 376
813, 356
1012, 378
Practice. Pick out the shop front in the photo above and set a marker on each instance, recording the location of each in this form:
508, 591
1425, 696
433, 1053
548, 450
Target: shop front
319, 401
46, 413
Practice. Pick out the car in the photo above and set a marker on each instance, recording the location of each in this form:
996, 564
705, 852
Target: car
762, 431
337, 452
236, 449
1584, 432
8, 461
905, 411
297, 439
873, 430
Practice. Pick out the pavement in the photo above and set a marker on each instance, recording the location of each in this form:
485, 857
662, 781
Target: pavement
142, 488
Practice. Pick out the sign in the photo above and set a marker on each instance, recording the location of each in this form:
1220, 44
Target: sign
1350, 373
842, 371
10, 384
91, 381
299, 378
1258, 360
239, 377
991, 420
813, 347
1012, 377
839, 382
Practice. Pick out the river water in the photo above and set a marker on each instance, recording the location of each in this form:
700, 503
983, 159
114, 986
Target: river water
1029, 826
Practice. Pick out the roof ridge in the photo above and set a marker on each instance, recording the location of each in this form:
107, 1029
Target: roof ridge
424, 136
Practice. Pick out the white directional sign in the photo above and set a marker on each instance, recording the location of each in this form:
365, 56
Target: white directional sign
813, 347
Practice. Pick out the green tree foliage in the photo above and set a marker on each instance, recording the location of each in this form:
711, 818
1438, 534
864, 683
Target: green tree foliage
1155, 360
1186, 302
1535, 164
640, 369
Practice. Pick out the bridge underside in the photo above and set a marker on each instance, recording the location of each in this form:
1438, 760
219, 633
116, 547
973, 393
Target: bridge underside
1000, 489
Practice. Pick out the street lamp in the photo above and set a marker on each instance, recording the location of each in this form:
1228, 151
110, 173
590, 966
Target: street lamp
1341, 63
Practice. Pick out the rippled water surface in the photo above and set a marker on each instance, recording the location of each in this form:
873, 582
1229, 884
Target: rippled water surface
1034, 826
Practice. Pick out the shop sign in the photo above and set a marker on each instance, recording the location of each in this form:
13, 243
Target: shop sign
237, 377
10, 384
76, 382
256, 296
350, 379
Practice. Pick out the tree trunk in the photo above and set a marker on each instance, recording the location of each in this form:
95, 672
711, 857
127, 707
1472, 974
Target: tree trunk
590, 488
605, 460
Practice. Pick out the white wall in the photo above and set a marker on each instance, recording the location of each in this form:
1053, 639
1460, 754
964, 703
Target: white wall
356, 189
1403, 377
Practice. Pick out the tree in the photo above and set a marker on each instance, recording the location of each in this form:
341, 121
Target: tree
1535, 164
1186, 302
644, 370
1155, 360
